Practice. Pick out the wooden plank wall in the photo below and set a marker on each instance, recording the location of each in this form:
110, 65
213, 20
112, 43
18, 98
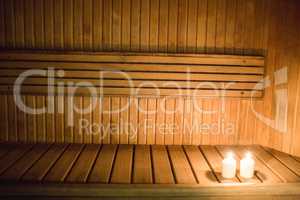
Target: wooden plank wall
243, 27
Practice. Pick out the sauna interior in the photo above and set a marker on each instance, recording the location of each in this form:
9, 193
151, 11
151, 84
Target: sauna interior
145, 99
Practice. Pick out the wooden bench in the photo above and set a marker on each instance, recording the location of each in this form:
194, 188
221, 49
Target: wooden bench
137, 171
149, 74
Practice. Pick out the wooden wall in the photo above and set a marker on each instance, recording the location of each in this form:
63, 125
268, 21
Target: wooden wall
243, 27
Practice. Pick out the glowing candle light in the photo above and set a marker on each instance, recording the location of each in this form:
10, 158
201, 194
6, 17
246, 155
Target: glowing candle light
247, 165
229, 166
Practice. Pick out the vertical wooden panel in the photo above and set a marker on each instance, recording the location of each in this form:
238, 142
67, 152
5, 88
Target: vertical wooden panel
145, 20
87, 117
9, 12
96, 120
19, 17
107, 24
59, 119
88, 24
68, 24
163, 25
201, 25
221, 26
160, 121
188, 121
124, 117
39, 24
211, 26
68, 119
192, 25
2, 24
230, 25
106, 119
49, 23
97, 24
197, 122
116, 24
173, 25
135, 25
31, 119
179, 120
78, 24
142, 121
115, 120
182, 25
206, 109
58, 24
154, 23
29, 24
21, 122
50, 120
12, 128
239, 28
133, 120
77, 120
41, 119
169, 121
151, 120
126, 25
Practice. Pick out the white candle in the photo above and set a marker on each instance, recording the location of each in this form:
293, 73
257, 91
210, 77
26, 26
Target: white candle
229, 166
247, 165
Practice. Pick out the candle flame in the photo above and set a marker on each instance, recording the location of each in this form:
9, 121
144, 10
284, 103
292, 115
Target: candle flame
230, 154
248, 155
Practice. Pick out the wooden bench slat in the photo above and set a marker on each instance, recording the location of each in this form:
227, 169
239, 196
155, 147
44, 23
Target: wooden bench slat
103, 165
182, 169
286, 159
200, 167
123, 165
12, 156
161, 166
64, 164
19, 168
262, 171
281, 170
81, 169
42, 166
142, 171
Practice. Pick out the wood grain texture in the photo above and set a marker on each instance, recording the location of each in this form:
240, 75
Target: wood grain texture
137, 165
266, 27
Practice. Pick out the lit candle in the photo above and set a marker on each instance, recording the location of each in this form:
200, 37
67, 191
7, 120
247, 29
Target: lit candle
247, 165
229, 166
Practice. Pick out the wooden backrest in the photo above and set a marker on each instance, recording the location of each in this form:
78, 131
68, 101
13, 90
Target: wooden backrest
149, 74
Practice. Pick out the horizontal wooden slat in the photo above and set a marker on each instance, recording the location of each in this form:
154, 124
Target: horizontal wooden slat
116, 72
144, 75
196, 68
139, 83
135, 58
136, 92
